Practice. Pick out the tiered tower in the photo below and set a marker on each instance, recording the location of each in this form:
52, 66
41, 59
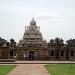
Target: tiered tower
32, 34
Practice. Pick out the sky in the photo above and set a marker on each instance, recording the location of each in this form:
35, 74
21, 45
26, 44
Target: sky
56, 18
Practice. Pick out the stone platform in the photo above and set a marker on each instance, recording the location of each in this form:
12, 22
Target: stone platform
39, 62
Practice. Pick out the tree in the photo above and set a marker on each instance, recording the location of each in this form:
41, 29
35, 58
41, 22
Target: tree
52, 41
61, 42
2, 41
12, 42
71, 42
58, 44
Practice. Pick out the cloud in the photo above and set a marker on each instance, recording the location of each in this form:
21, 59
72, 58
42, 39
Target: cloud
49, 18
45, 17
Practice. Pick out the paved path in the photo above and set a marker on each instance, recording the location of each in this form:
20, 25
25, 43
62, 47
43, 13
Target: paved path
29, 69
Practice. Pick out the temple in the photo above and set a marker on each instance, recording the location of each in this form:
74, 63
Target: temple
33, 47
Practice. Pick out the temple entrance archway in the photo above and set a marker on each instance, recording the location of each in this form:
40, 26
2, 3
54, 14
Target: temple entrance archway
31, 55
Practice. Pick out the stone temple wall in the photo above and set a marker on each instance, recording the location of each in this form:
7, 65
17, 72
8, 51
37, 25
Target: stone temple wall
34, 53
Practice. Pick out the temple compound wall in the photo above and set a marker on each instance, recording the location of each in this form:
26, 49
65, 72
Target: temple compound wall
52, 54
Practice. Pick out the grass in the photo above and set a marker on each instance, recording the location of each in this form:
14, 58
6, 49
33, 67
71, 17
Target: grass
61, 69
4, 69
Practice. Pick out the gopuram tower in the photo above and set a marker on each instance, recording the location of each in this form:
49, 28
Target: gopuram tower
32, 35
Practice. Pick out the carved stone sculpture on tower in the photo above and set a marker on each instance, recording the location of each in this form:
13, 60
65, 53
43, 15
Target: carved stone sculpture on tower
32, 34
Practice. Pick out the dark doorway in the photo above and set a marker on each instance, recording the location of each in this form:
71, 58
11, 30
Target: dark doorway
31, 55
11, 53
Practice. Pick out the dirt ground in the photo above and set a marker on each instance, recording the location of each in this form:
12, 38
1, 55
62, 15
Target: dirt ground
29, 69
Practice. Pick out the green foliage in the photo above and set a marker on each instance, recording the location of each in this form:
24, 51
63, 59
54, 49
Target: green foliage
12, 42
57, 42
2, 41
4, 69
61, 69
52, 41
71, 42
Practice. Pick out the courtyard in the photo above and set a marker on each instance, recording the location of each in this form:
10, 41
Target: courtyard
38, 68
29, 69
